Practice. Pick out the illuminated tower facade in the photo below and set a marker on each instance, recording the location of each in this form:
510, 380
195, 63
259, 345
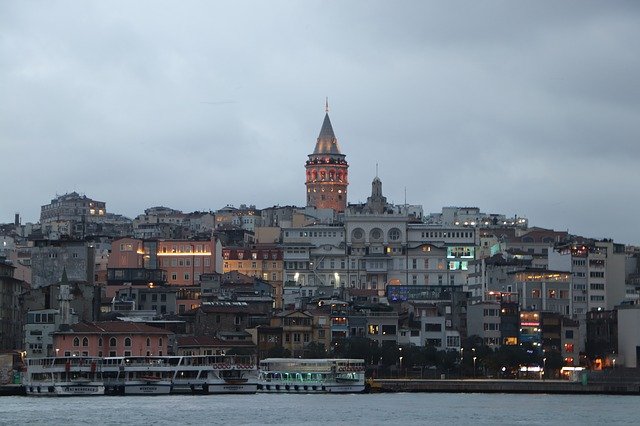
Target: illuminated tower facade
327, 172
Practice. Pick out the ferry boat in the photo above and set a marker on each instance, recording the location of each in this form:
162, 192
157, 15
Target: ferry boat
292, 375
64, 376
137, 375
215, 374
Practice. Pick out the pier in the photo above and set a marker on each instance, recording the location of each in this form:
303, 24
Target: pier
505, 386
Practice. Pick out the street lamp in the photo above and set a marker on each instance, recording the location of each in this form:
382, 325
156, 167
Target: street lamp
474, 366
57, 350
544, 366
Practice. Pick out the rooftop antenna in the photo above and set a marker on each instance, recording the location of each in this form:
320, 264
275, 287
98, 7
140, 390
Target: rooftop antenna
326, 104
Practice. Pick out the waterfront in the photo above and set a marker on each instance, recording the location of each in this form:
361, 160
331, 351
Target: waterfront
371, 409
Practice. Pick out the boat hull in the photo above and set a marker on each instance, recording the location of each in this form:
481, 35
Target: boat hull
270, 387
159, 388
66, 389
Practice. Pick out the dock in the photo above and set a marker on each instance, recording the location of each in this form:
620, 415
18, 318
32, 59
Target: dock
631, 387
12, 390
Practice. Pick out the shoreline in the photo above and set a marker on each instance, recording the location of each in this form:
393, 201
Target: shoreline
503, 386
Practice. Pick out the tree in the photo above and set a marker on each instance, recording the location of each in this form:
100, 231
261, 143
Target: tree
315, 350
278, 352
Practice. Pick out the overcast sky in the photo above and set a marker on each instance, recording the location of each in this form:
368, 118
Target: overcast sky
528, 108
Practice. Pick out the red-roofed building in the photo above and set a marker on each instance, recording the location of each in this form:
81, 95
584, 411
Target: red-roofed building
112, 338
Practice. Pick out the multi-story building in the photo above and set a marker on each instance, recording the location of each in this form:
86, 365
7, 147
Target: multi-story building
297, 330
602, 334
261, 261
49, 258
484, 320
160, 299
598, 269
545, 290
245, 217
571, 343
216, 318
111, 338
182, 262
10, 308
69, 214
314, 256
38, 331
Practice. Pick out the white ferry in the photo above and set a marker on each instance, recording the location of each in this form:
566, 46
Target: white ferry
138, 375
292, 375
215, 374
64, 376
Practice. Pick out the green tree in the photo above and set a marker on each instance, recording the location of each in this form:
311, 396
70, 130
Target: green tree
278, 352
315, 350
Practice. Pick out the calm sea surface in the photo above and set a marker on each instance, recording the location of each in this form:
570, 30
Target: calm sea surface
374, 409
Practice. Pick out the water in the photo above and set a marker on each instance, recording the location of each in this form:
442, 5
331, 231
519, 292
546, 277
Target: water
373, 409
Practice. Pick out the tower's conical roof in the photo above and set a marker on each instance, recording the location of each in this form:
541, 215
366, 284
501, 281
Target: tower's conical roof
327, 142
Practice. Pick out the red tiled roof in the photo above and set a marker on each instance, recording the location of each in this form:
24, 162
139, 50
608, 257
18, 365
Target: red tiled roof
200, 341
114, 327
214, 309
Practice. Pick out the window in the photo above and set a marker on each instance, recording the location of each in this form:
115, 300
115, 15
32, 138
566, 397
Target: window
394, 234
453, 341
388, 330
127, 342
373, 329
568, 334
296, 337
148, 342
85, 342
113, 342
432, 327
76, 341
100, 342
160, 341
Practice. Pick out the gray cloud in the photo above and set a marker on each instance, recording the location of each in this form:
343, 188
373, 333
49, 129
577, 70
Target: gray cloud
527, 108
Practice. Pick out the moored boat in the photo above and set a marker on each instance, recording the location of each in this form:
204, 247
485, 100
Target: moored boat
64, 376
215, 374
292, 375
138, 375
